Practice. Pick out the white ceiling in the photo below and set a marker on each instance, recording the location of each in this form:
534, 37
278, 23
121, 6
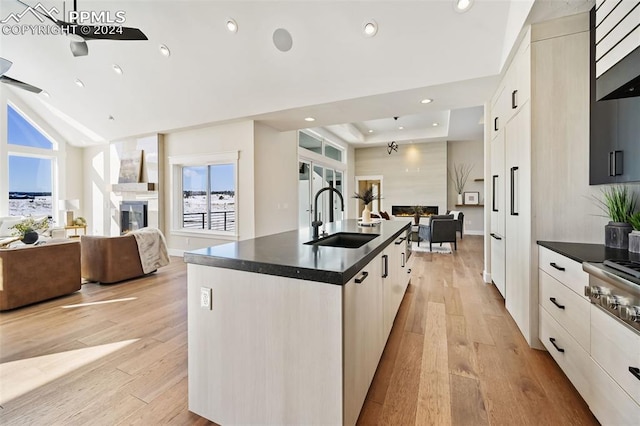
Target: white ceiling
350, 83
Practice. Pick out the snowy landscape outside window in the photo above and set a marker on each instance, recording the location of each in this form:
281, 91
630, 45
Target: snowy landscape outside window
209, 197
31, 163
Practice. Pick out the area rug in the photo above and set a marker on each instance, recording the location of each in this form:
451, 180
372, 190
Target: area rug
424, 247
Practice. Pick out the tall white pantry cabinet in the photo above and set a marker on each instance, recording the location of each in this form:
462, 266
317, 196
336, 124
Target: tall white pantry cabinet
538, 112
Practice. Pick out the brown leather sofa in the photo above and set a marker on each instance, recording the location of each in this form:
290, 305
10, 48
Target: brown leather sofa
110, 259
30, 274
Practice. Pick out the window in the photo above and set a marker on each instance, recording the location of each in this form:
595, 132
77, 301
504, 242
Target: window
332, 152
207, 193
311, 141
31, 163
209, 197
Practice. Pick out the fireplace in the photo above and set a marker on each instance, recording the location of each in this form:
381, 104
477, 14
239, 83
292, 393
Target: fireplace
133, 215
403, 211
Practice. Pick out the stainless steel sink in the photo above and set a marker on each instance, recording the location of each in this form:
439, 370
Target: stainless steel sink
344, 240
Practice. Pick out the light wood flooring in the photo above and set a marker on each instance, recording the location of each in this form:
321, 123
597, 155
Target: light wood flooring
454, 356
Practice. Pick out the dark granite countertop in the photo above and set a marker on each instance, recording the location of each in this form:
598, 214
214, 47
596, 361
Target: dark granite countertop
582, 252
286, 255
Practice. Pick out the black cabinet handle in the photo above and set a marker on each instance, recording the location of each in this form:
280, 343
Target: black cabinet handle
553, 342
555, 302
513, 191
635, 371
495, 124
494, 207
610, 164
495, 236
409, 271
385, 266
363, 277
403, 260
559, 268
514, 99
616, 161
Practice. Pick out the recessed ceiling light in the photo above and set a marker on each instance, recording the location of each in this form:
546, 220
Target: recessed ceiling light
45, 94
79, 82
165, 50
370, 28
111, 118
435, 124
426, 101
232, 25
309, 119
401, 128
117, 69
370, 131
462, 5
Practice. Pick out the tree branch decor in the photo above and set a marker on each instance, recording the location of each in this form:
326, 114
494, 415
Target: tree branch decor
460, 175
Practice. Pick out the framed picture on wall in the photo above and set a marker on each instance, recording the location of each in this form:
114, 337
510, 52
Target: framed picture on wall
472, 198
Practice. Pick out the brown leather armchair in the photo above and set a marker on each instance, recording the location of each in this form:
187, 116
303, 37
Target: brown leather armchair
110, 259
31, 274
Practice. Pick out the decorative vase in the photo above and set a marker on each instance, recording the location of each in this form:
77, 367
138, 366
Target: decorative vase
366, 214
634, 242
616, 235
416, 219
30, 237
459, 199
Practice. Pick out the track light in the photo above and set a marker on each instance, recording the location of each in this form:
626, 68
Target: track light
392, 146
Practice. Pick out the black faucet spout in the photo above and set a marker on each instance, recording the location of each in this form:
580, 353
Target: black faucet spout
316, 222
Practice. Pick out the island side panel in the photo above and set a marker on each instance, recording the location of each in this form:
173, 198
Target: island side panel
270, 350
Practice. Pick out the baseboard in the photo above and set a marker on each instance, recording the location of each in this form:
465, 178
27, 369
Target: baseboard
486, 277
176, 252
473, 232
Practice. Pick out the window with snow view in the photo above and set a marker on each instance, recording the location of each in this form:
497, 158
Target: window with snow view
209, 197
31, 163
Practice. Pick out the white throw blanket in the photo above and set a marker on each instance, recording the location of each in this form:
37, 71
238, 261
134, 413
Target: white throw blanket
152, 248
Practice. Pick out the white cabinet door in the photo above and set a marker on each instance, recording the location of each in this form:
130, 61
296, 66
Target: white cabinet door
519, 299
394, 282
363, 335
498, 202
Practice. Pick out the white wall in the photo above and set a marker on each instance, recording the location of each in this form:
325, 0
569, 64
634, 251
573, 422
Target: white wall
211, 140
469, 153
276, 180
415, 175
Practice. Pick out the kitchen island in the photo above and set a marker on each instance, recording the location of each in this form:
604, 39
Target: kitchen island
293, 332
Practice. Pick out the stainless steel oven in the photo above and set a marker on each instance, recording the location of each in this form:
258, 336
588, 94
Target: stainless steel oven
614, 286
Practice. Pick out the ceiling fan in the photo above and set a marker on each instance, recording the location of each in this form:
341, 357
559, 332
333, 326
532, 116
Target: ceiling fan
80, 34
4, 67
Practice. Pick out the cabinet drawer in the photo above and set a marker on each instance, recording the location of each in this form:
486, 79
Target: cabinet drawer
616, 348
569, 355
567, 271
570, 310
609, 403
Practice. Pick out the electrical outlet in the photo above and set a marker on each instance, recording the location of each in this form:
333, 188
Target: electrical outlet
206, 301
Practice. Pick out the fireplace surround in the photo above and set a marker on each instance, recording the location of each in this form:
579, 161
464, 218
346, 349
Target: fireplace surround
133, 215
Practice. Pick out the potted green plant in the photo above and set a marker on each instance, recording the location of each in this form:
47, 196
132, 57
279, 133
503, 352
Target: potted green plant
634, 236
367, 197
459, 178
618, 203
26, 230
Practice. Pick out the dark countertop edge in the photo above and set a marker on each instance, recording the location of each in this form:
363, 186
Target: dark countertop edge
319, 275
584, 252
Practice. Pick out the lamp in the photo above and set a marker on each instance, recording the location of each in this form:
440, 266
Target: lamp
392, 146
70, 206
